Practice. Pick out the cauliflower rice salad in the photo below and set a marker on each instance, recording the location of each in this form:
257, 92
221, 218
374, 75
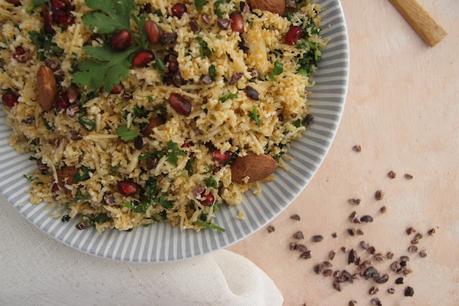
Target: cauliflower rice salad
145, 111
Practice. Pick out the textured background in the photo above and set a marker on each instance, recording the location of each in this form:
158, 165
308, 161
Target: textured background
403, 108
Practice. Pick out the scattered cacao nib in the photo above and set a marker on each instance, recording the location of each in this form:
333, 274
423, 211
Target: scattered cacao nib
356, 221
301, 248
331, 255
81, 226
396, 267
334, 235
364, 245
317, 238
406, 271
422, 253
352, 303
305, 255
168, 38
382, 279
379, 195
352, 215
308, 120
390, 290
409, 291
373, 290
370, 272
391, 174
431, 232
138, 143
292, 246
389, 255
206, 80
223, 23
404, 259
378, 257
354, 201
270, 228
298, 235
357, 148
327, 272
28, 120
295, 217
408, 176
399, 281
65, 218
351, 231
337, 286
205, 18
366, 219
383, 209
412, 249
343, 249
410, 230
376, 302
351, 257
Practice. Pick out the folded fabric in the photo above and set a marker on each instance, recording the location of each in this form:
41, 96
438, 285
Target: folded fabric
37, 270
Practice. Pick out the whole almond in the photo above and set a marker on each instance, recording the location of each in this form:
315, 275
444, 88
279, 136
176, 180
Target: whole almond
273, 6
46, 88
255, 167
152, 31
65, 175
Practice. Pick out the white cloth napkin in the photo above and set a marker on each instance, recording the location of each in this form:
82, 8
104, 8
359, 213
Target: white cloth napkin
36, 270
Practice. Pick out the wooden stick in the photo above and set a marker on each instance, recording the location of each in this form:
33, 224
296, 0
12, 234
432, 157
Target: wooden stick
420, 20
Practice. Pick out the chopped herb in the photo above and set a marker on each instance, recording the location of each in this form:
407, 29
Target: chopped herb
189, 166
108, 16
228, 96
308, 62
255, 116
217, 8
148, 155
29, 178
87, 123
37, 3
209, 225
216, 207
83, 174
278, 69
212, 72
173, 152
138, 207
211, 182
82, 196
46, 48
101, 218
150, 190
297, 123
199, 4
204, 50
49, 125
140, 112
164, 202
159, 65
127, 134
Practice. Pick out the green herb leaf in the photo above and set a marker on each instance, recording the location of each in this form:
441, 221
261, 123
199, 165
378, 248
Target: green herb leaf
164, 202
137, 207
103, 68
189, 165
173, 152
212, 72
216, 207
209, 225
199, 4
211, 182
82, 175
87, 123
46, 48
255, 116
127, 134
150, 190
297, 123
108, 15
29, 178
140, 112
147, 155
101, 218
204, 50
36, 4
278, 69
82, 196
217, 8
159, 65
228, 96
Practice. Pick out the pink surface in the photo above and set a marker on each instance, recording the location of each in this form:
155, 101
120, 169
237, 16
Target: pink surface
403, 108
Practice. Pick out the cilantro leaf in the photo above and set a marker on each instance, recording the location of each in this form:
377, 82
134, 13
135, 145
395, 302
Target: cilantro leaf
83, 174
101, 218
87, 123
45, 46
204, 50
140, 112
173, 152
164, 202
29, 178
228, 96
199, 4
82, 196
127, 134
217, 8
108, 16
209, 225
212, 72
255, 116
159, 65
278, 69
103, 68
211, 182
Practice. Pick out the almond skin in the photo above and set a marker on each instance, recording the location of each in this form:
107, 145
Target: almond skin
255, 167
273, 6
46, 88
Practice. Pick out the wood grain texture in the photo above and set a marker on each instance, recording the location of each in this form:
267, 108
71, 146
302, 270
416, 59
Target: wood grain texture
420, 20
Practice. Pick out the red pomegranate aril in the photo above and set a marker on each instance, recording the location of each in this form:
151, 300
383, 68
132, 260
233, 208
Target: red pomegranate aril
207, 199
293, 35
59, 5
178, 10
237, 23
63, 18
117, 89
21, 55
10, 98
73, 93
142, 58
220, 157
127, 188
121, 40
62, 102
180, 104
152, 31
47, 20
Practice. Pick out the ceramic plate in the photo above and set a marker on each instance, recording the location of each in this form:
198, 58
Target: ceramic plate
159, 243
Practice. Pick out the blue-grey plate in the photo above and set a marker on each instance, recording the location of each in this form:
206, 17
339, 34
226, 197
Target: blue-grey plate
159, 243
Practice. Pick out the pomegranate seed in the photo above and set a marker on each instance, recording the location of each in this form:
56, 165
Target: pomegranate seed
142, 58
121, 40
127, 188
293, 35
59, 5
220, 157
47, 20
223, 23
237, 23
117, 89
187, 144
198, 191
63, 18
72, 93
207, 199
10, 98
54, 188
180, 104
178, 10
62, 102
152, 31
21, 55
